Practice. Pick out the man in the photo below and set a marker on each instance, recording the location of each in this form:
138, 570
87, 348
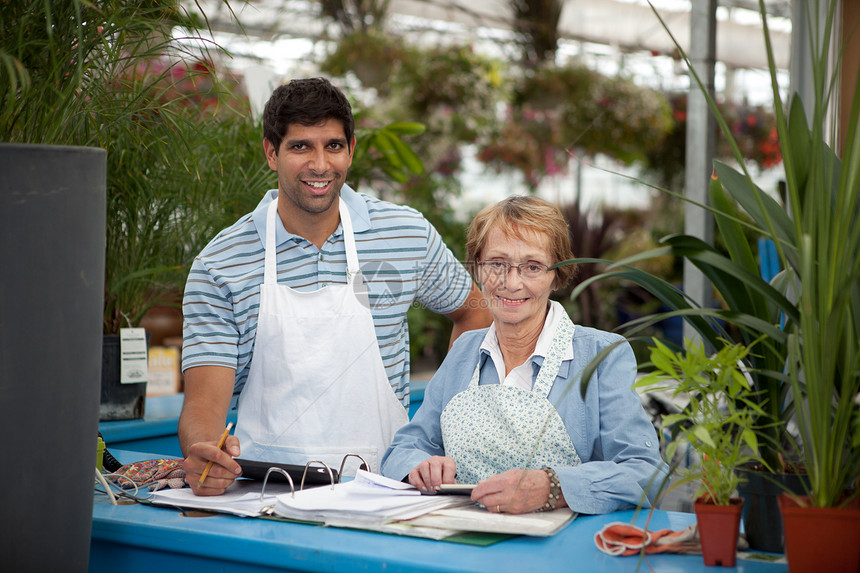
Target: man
298, 311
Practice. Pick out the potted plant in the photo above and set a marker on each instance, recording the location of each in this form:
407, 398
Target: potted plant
54, 177
806, 369
371, 54
718, 425
112, 76
824, 345
183, 151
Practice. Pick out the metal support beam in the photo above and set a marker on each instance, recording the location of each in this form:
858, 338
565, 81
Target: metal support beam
699, 222
807, 32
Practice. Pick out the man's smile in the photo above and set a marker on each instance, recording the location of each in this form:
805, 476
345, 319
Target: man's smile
318, 187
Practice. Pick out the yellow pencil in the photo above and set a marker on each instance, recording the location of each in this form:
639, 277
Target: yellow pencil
211, 463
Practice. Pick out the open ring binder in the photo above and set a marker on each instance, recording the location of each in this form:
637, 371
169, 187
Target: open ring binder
313, 473
279, 470
286, 475
370, 501
325, 465
363, 466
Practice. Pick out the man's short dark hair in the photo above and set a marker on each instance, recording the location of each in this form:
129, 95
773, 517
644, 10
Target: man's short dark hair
306, 102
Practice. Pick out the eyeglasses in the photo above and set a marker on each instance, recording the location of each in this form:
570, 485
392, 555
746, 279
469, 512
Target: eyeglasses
500, 269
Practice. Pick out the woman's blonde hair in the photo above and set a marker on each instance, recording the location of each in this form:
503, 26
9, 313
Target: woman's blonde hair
516, 216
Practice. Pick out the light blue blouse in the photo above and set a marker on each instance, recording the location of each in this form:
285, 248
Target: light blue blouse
612, 433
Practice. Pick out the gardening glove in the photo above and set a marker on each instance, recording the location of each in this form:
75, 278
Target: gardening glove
623, 539
153, 474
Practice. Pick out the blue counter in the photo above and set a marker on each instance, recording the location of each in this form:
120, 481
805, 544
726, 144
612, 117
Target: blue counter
155, 432
144, 538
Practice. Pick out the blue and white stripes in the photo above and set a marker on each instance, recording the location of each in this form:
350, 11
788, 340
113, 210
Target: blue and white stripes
402, 258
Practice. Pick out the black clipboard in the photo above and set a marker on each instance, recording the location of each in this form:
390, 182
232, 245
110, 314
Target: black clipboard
315, 476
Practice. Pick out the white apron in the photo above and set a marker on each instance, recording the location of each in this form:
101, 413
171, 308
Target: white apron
492, 428
317, 388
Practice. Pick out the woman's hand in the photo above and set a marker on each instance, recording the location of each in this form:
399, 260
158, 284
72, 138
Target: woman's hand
514, 491
433, 472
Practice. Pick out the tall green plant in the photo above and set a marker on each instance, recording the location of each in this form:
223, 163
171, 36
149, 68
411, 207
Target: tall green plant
63, 61
184, 157
809, 315
824, 203
110, 74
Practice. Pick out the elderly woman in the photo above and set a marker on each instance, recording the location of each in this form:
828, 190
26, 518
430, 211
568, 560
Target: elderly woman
504, 410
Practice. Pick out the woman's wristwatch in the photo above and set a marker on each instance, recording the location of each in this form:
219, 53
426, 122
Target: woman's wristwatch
554, 490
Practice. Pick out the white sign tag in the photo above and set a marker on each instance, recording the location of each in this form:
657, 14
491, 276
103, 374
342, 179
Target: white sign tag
133, 360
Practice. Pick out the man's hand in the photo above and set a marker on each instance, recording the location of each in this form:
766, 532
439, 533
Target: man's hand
207, 397
224, 468
433, 472
514, 491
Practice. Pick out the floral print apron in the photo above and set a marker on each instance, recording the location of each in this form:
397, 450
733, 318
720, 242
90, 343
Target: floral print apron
493, 428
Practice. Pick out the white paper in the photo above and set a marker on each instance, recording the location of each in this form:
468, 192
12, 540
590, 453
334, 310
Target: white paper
375, 480
241, 498
134, 366
368, 499
474, 518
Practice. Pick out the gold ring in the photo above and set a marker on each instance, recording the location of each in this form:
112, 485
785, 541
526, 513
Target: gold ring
498, 509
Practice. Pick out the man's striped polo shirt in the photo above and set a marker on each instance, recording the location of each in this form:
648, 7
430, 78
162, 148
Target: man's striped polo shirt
402, 258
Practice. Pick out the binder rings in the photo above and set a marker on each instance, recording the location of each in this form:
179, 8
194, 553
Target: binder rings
312, 473
315, 475
370, 502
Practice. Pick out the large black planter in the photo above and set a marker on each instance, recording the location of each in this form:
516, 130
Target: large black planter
761, 515
52, 253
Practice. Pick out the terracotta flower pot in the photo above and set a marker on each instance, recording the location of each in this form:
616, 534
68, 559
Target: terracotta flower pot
718, 529
821, 538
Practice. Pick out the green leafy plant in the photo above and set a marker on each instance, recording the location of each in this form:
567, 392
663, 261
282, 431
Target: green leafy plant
807, 368
754, 308
381, 153
824, 346
721, 417
454, 89
184, 155
111, 74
